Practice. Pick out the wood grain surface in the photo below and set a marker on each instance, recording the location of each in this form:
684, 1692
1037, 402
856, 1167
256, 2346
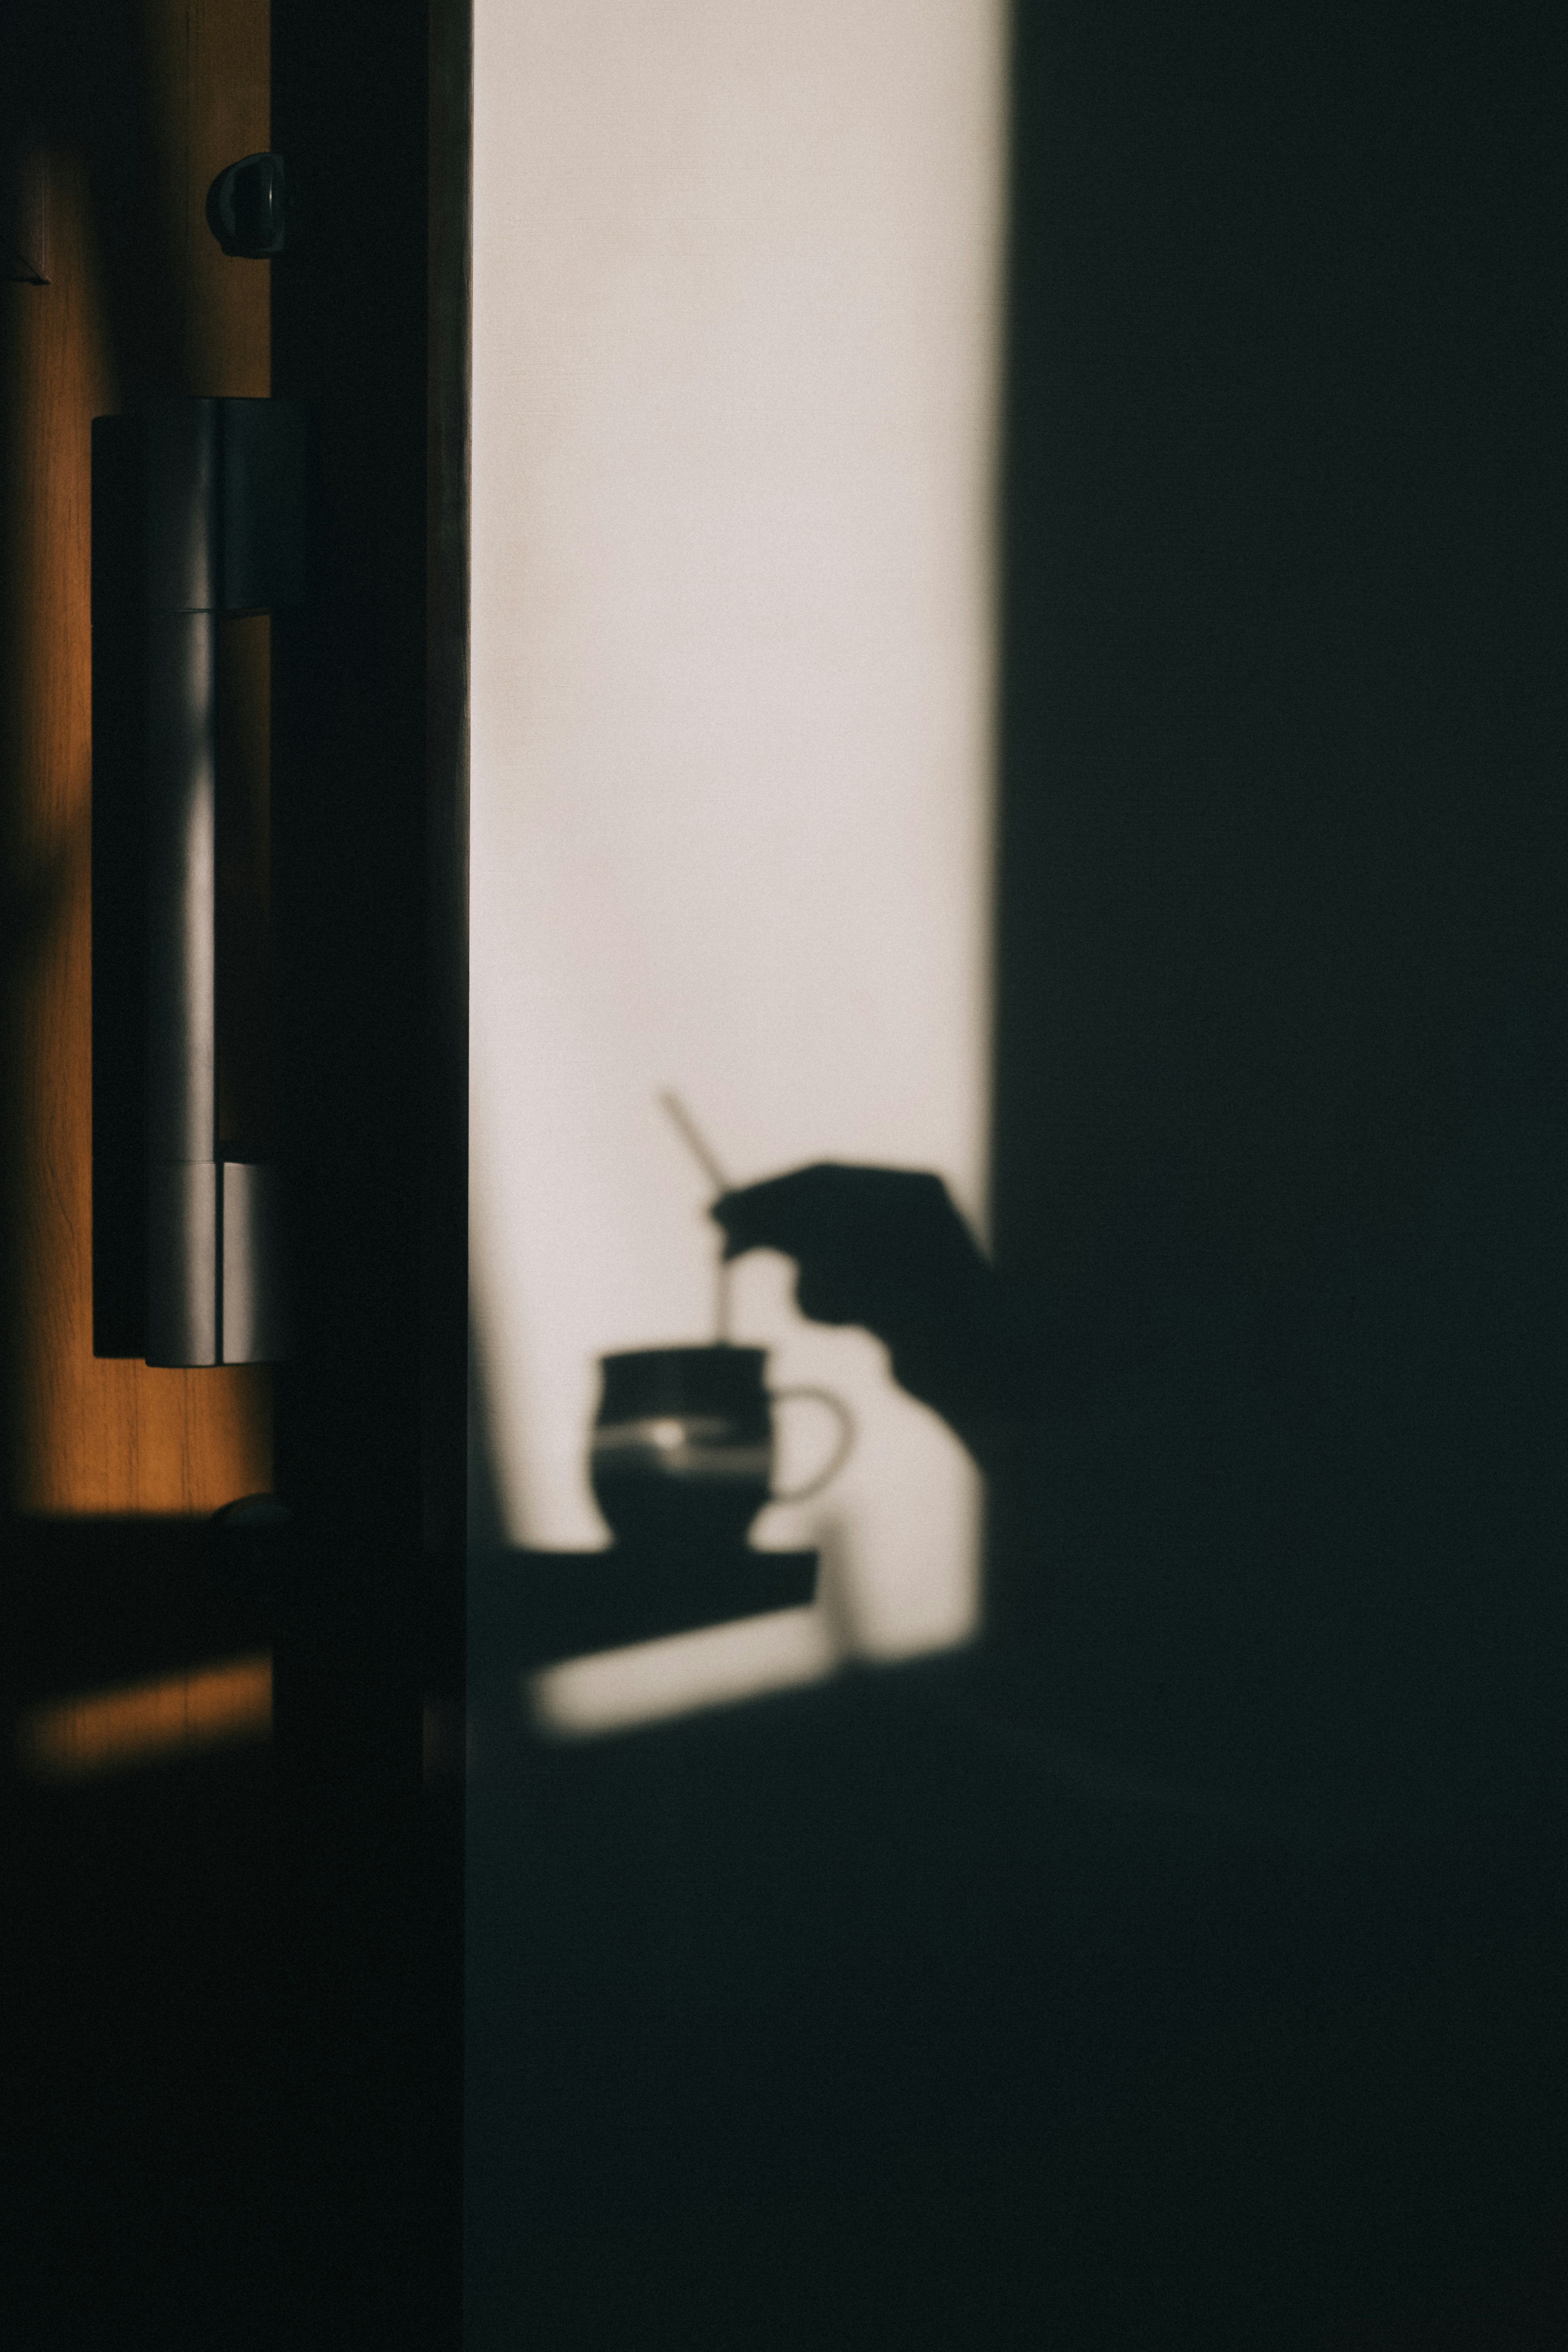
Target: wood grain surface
141, 298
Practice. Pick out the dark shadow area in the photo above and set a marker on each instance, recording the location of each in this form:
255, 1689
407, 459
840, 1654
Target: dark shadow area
534, 1608
1182, 1967
369, 933
823, 2016
487, 1522
1184, 1973
139, 1956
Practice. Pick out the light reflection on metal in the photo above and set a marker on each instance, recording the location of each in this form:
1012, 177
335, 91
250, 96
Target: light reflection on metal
225, 488
150, 1722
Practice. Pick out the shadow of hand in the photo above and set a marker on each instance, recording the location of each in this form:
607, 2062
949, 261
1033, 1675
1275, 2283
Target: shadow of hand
886, 1249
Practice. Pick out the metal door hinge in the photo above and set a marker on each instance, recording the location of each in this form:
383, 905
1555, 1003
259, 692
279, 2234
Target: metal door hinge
209, 499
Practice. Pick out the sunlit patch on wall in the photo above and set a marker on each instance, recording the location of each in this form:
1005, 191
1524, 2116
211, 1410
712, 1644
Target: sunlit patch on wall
657, 1681
736, 364
155, 1721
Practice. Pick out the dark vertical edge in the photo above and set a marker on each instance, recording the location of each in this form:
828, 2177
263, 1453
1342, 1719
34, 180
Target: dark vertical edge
374, 1140
119, 913
1014, 1108
445, 1267
262, 538
446, 831
1005, 1503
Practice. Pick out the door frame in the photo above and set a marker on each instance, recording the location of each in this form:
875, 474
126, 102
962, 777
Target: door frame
359, 2228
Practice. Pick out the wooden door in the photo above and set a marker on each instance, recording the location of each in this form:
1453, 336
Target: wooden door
234, 1937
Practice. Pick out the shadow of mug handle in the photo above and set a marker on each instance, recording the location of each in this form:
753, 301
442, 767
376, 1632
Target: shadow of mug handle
841, 1452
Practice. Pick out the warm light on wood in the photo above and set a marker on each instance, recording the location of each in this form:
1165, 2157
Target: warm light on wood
86, 1436
148, 1722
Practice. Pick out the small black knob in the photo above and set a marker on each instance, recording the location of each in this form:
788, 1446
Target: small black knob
248, 207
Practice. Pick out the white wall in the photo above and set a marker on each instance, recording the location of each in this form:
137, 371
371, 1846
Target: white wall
736, 292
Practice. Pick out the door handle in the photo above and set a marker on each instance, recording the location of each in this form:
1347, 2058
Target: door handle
225, 533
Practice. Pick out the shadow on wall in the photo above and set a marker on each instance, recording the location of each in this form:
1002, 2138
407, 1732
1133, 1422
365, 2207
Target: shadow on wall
485, 1530
607, 1690
1284, 1546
